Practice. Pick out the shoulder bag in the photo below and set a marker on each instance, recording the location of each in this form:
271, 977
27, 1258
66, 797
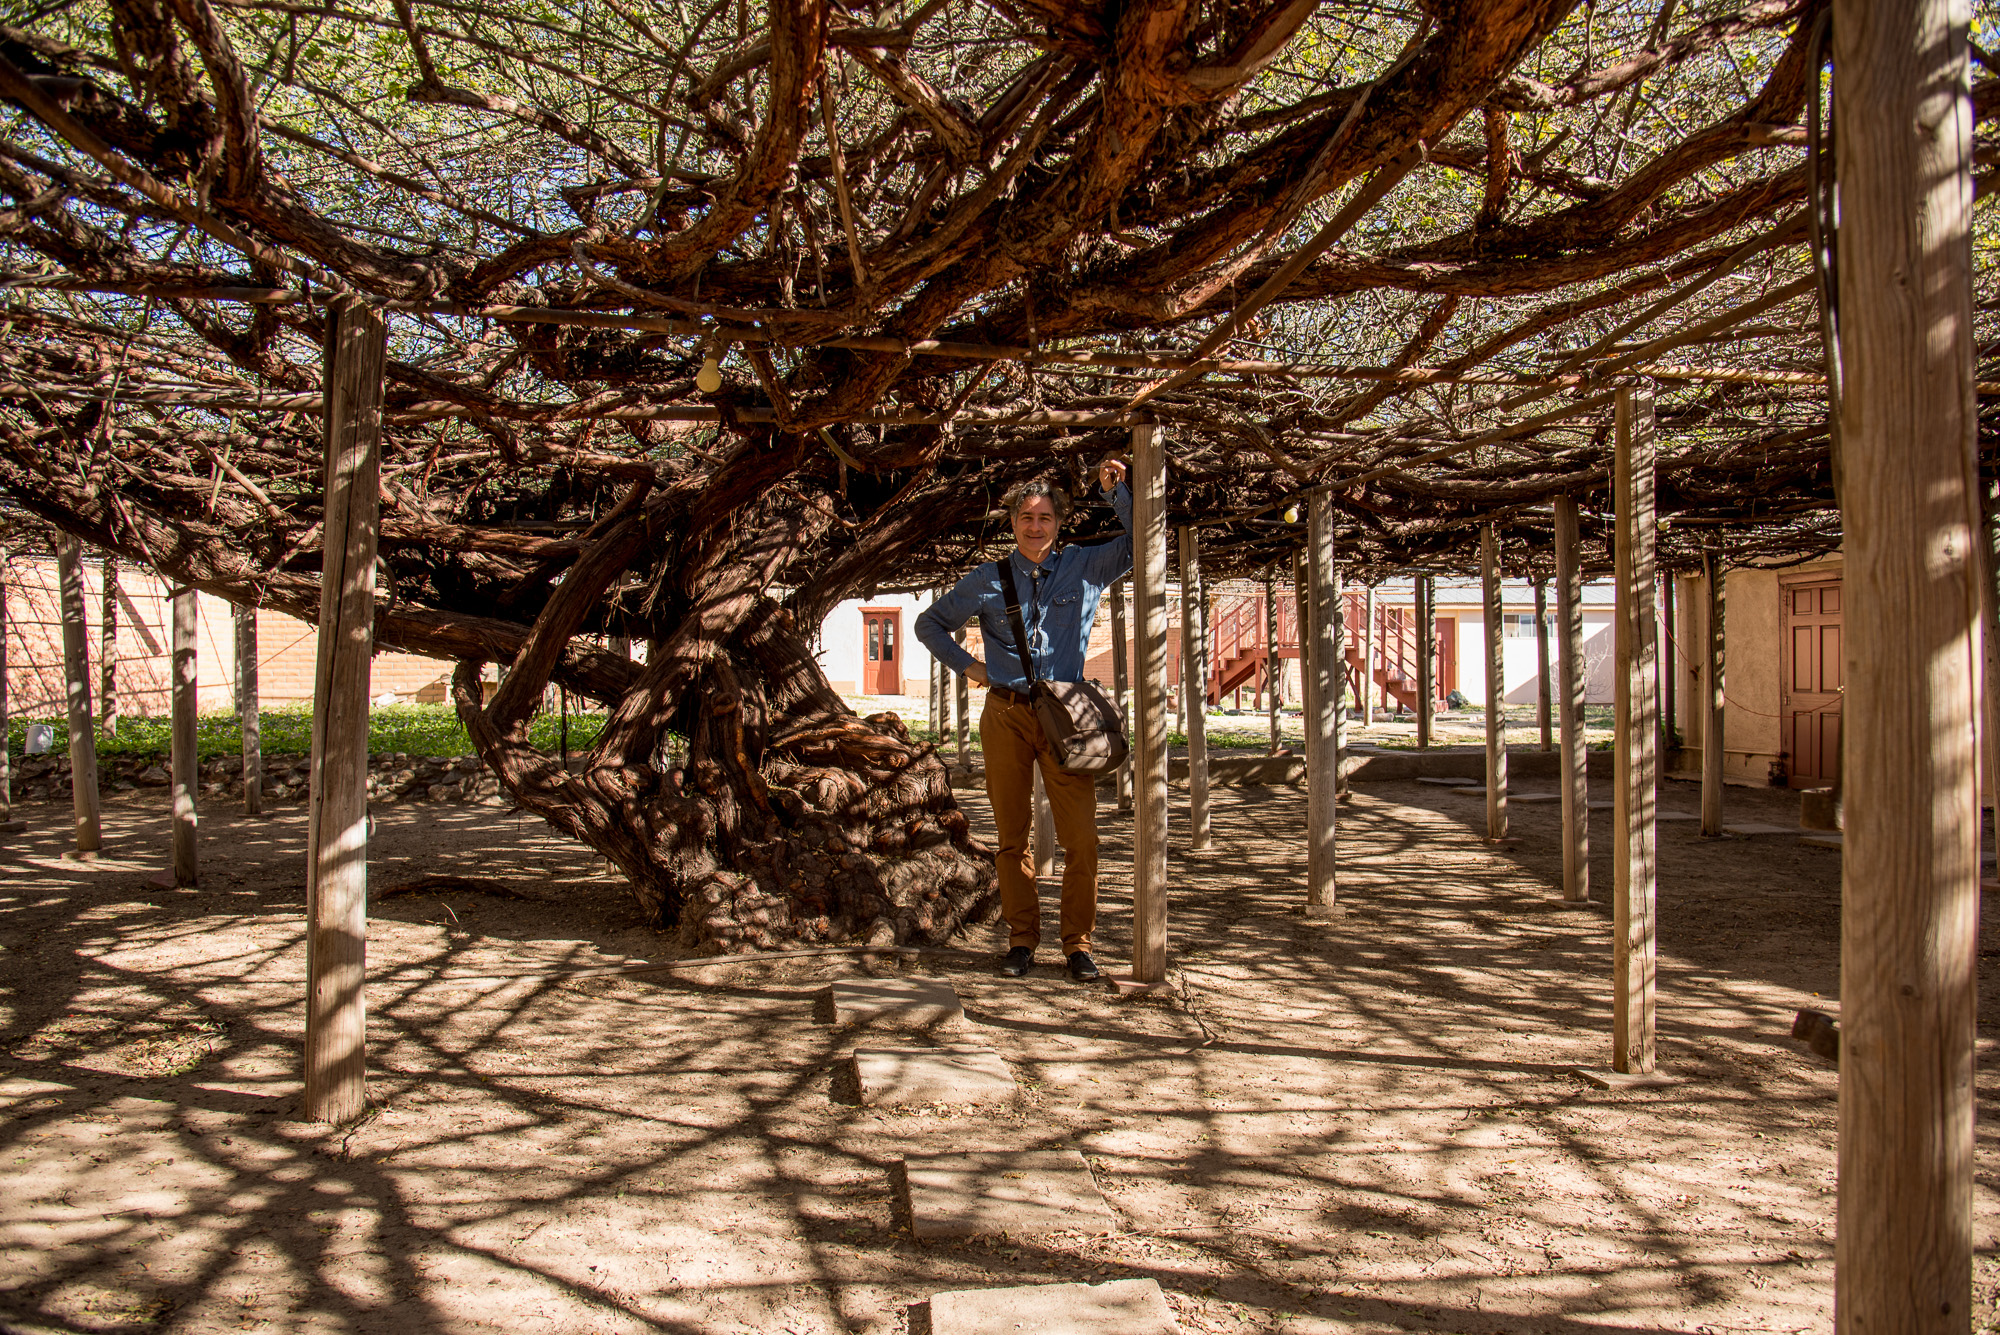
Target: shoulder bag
1081, 723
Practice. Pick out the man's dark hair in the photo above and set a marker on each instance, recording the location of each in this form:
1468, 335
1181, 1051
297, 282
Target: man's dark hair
1022, 492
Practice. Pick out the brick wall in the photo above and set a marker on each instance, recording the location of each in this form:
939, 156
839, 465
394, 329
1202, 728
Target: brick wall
286, 648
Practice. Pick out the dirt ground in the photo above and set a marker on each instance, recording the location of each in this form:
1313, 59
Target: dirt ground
1363, 1125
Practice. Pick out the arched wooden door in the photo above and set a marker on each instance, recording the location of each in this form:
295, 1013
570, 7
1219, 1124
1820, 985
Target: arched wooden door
882, 651
1809, 698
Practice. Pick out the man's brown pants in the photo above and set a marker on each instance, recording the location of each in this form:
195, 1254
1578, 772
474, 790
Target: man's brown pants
1011, 737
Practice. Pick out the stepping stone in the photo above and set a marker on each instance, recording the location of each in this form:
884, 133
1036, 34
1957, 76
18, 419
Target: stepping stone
1752, 827
1534, 797
1823, 839
1619, 1081
1122, 1307
1444, 783
1024, 1191
895, 1003
890, 1077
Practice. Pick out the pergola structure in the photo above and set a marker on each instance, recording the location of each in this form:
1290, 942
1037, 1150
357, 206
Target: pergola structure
501, 334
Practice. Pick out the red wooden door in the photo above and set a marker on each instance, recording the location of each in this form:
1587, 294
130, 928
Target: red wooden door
1809, 691
882, 651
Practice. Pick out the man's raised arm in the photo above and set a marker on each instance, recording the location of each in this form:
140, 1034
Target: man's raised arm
1111, 560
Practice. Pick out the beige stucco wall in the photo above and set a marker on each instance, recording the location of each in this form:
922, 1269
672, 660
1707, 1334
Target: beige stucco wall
1753, 627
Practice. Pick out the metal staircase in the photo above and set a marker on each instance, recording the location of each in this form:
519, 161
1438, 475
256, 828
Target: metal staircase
1240, 644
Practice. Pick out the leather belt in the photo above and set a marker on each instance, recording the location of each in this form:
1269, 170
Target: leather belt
1011, 697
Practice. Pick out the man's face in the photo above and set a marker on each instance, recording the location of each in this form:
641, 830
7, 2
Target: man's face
1035, 527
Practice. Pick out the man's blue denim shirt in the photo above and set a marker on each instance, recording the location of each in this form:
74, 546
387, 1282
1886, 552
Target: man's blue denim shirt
1058, 607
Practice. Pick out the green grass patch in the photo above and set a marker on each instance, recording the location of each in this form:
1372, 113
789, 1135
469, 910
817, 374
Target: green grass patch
418, 730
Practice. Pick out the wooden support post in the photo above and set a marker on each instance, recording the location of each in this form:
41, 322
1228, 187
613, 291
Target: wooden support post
107, 649
247, 710
6, 760
1340, 664
1711, 698
935, 699
1496, 685
1575, 754
1302, 623
961, 711
1670, 661
1045, 832
1989, 596
184, 762
1426, 661
337, 818
1636, 792
1544, 682
1273, 685
1910, 880
1121, 685
1320, 649
1369, 635
1149, 769
76, 677
1194, 685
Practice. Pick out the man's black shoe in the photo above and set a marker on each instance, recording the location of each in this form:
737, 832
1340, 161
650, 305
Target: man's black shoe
1019, 960
1082, 967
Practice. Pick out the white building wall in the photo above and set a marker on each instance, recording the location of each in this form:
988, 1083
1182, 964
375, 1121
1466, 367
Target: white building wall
843, 646
1520, 664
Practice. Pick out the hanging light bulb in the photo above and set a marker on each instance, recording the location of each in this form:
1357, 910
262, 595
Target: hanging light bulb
1291, 514
709, 378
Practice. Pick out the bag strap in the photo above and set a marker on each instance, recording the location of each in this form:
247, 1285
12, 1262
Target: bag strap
1014, 615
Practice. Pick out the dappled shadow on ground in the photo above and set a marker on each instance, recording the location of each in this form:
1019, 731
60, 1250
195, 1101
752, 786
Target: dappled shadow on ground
1367, 1124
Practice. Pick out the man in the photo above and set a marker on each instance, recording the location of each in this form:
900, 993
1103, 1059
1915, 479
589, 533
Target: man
1059, 592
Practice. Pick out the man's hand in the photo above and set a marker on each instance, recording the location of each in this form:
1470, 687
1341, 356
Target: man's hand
1110, 473
976, 672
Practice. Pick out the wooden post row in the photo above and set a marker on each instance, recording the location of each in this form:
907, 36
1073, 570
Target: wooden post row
1636, 790
1910, 519
1045, 830
247, 711
1340, 670
1369, 686
1194, 685
1670, 660
1544, 683
1121, 684
1496, 685
1575, 752
337, 817
184, 762
1426, 660
76, 676
1320, 656
961, 710
1712, 737
1989, 603
1149, 768
7, 822
1273, 665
